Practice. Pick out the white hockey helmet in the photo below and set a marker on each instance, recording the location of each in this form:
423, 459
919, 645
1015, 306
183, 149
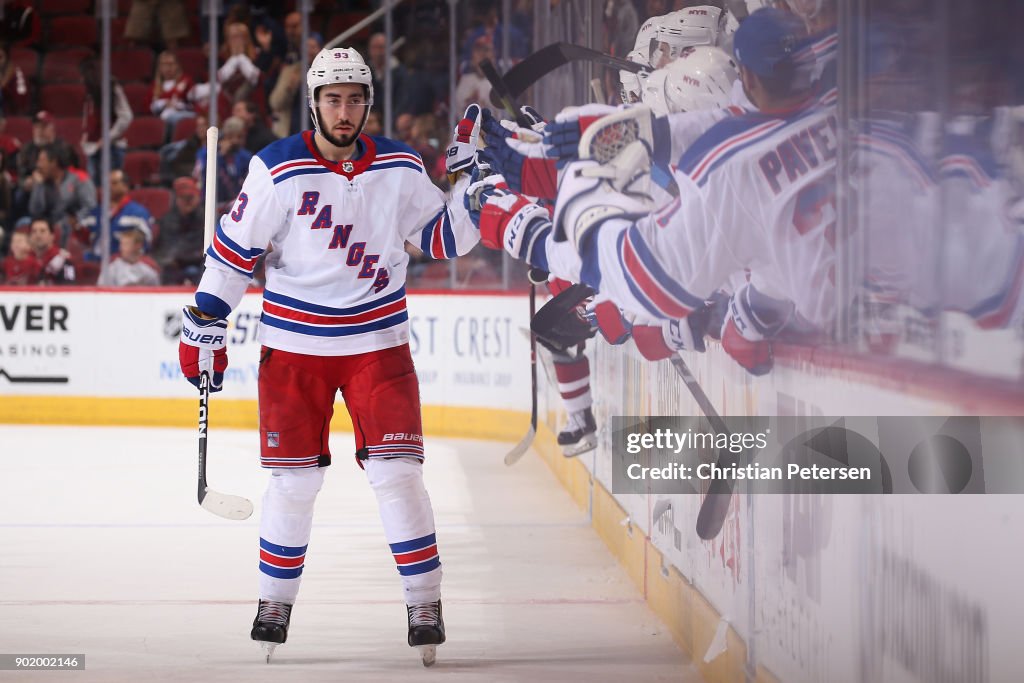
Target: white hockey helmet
644, 43
632, 85
337, 65
702, 78
685, 28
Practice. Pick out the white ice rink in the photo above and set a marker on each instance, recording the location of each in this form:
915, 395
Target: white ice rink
105, 552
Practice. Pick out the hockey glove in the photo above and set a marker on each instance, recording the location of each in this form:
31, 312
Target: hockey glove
609, 321
657, 342
513, 222
479, 191
524, 163
462, 151
202, 347
751, 323
563, 134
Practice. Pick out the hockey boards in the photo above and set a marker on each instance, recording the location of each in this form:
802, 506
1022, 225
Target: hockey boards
550, 57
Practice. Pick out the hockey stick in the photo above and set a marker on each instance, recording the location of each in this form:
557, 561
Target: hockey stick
715, 507
550, 57
507, 102
513, 456
499, 89
221, 504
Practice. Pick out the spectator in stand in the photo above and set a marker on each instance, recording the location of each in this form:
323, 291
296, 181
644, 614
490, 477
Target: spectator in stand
55, 266
373, 125
473, 85
293, 36
179, 158
7, 187
44, 134
232, 163
621, 25
9, 147
403, 128
15, 97
489, 26
238, 75
147, 15
92, 135
20, 267
125, 214
291, 113
425, 140
257, 135
130, 267
378, 57
171, 88
61, 196
179, 246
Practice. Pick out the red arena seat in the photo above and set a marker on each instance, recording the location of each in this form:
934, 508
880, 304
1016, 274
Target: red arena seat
61, 66
156, 199
19, 128
27, 60
73, 30
62, 99
139, 96
50, 7
145, 131
142, 168
184, 128
132, 64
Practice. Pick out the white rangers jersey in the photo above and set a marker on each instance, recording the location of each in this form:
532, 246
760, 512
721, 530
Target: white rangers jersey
335, 233
757, 192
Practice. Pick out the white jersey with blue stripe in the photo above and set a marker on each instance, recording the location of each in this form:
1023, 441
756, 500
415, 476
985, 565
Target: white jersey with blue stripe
757, 192
336, 233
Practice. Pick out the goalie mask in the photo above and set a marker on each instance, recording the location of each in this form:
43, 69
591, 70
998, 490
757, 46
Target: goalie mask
702, 78
333, 66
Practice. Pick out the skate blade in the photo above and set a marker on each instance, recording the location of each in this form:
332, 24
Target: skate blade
268, 649
428, 653
587, 443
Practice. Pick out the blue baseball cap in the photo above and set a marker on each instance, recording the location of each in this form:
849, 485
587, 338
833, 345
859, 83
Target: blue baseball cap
768, 38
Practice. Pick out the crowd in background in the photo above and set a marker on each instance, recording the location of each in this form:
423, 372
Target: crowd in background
50, 120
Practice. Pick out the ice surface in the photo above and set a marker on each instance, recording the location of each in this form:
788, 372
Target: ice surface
106, 552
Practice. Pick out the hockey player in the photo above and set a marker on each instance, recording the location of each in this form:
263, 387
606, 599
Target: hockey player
333, 209
756, 192
701, 25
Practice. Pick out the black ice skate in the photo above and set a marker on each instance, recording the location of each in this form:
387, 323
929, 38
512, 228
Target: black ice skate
579, 435
426, 629
270, 627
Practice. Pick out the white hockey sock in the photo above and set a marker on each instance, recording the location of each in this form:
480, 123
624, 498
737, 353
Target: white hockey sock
408, 525
285, 525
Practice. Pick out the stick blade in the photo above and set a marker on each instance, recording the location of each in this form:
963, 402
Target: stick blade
712, 514
513, 456
226, 506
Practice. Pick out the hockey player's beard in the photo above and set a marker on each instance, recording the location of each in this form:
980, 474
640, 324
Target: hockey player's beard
346, 141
